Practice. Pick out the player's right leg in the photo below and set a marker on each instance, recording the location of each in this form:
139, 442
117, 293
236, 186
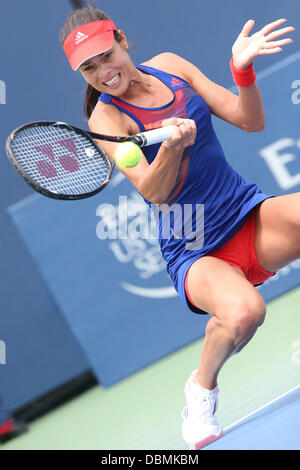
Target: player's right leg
237, 310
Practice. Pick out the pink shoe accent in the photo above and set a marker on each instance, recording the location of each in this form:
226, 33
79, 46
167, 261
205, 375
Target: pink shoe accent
207, 440
6, 427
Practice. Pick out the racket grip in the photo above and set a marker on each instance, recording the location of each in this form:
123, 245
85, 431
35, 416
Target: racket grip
155, 136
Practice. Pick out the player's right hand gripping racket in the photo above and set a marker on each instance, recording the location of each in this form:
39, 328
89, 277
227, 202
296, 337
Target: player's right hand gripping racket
64, 162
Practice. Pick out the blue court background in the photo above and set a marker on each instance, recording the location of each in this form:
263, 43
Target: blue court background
42, 350
273, 427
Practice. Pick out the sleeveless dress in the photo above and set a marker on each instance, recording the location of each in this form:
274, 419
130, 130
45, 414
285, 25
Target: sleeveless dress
210, 201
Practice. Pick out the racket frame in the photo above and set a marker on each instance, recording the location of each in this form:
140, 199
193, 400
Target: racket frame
88, 135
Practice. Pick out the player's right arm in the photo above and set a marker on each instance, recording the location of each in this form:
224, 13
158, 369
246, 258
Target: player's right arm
155, 181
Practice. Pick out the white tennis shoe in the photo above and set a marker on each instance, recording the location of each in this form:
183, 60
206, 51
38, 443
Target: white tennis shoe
200, 426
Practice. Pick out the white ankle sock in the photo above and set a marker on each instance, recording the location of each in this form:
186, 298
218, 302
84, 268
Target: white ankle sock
205, 390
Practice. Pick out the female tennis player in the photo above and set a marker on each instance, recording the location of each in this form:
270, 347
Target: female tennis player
242, 235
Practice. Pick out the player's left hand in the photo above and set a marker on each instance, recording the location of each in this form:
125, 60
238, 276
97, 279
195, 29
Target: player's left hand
247, 47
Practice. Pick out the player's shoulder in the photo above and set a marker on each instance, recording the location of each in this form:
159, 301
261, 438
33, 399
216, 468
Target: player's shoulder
170, 63
163, 58
103, 111
109, 116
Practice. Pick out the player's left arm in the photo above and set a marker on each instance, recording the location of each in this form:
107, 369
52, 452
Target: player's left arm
245, 110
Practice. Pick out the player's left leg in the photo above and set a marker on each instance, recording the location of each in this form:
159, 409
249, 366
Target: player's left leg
277, 233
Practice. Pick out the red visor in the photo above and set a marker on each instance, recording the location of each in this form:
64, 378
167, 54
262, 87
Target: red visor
89, 40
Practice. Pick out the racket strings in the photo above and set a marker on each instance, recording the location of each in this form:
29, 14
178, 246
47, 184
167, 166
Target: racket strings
60, 160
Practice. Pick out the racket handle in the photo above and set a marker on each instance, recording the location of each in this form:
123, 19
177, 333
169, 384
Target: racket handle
153, 137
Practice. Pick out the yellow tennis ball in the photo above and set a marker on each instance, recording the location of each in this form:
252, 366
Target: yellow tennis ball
128, 155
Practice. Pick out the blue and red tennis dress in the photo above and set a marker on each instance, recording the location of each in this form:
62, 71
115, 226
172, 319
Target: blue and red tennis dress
210, 201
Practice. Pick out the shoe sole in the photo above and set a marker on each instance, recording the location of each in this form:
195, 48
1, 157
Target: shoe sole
208, 440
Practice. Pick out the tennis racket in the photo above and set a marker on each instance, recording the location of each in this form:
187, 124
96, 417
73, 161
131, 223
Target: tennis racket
61, 161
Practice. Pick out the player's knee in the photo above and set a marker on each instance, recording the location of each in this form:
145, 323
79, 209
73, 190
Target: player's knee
245, 317
250, 316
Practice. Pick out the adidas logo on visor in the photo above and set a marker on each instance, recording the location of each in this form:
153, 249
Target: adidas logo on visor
80, 37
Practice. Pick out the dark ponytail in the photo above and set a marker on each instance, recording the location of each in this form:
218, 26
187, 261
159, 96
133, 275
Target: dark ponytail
90, 100
74, 21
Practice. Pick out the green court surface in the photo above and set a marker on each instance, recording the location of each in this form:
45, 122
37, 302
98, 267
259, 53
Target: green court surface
143, 411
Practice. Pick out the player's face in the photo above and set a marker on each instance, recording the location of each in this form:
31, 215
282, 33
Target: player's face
110, 72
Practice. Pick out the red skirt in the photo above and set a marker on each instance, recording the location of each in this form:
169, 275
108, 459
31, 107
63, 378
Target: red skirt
240, 251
